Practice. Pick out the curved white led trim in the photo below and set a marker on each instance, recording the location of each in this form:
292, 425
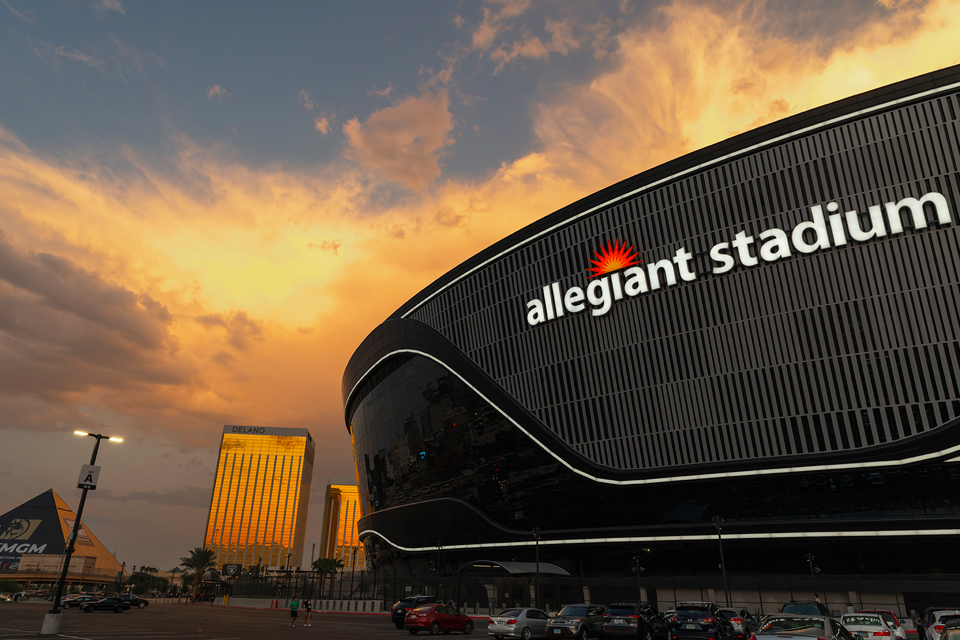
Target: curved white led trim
680, 538
674, 176
698, 476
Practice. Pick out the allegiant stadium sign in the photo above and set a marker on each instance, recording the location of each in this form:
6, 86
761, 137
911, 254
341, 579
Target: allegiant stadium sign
617, 272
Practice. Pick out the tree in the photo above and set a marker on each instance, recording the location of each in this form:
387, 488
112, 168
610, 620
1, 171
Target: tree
200, 561
327, 565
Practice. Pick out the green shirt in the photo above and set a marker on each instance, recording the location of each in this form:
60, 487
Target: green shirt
294, 605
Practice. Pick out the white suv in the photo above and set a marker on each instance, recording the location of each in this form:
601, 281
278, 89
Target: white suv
940, 618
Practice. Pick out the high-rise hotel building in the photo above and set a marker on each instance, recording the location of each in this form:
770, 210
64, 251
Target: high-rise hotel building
258, 511
341, 514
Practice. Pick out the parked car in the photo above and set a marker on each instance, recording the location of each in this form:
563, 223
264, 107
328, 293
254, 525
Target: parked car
805, 607
436, 618
106, 604
628, 619
577, 621
863, 625
699, 620
76, 601
518, 623
744, 624
892, 621
661, 625
795, 626
951, 630
399, 611
132, 600
940, 619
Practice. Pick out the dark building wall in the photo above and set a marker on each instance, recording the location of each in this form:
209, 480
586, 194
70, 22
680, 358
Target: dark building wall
758, 395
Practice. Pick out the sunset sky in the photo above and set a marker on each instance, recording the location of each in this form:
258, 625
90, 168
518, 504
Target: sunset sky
205, 207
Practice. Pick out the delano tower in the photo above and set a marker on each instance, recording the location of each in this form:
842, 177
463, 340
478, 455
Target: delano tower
258, 511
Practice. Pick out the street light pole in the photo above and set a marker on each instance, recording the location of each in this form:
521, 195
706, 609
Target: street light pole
51, 622
813, 584
536, 584
717, 521
639, 570
439, 546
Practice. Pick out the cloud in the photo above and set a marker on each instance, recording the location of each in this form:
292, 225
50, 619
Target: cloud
51, 54
404, 142
326, 245
495, 14
26, 16
241, 329
322, 124
304, 98
218, 92
109, 5
382, 93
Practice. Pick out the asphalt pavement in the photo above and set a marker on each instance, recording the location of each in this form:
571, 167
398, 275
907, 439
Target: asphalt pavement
199, 622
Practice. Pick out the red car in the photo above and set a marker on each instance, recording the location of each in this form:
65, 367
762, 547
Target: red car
436, 618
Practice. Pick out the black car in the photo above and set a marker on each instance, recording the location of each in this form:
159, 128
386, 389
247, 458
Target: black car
629, 620
399, 611
805, 608
132, 600
107, 604
76, 601
699, 621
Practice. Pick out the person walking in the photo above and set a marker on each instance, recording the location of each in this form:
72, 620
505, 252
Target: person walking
306, 616
294, 605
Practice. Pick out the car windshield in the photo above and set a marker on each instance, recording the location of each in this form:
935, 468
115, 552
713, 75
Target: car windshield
948, 618
510, 613
889, 618
573, 610
620, 611
802, 609
797, 626
694, 613
861, 620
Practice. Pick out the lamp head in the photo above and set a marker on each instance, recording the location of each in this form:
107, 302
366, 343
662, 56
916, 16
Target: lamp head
81, 433
115, 439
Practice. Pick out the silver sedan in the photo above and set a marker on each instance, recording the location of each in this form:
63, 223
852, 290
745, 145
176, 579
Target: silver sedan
518, 623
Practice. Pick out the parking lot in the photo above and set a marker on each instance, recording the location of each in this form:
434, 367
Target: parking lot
23, 620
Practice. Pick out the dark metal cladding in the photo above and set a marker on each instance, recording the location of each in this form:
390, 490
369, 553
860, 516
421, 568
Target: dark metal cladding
840, 356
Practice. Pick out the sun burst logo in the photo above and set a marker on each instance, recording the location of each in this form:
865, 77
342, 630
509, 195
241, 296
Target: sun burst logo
613, 258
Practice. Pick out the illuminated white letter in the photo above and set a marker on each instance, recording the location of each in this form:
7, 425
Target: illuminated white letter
598, 293
857, 232
916, 210
683, 258
724, 260
535, 314
636, 281
742, 244
573, 300
778, 247
662, 265
818, 226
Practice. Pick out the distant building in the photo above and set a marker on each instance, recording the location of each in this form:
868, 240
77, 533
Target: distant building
258, 510
341, 512
33, 540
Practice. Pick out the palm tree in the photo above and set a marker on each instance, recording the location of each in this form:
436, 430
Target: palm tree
200, 560
327, 565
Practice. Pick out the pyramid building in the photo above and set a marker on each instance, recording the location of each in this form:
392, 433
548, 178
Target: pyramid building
33, 539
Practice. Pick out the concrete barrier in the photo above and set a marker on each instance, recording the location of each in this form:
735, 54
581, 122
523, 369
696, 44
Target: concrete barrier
339, 606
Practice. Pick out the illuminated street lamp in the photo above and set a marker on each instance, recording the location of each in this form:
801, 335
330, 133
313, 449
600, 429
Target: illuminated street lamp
51, 622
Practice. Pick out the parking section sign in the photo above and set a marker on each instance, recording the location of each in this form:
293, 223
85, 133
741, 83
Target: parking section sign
89, 474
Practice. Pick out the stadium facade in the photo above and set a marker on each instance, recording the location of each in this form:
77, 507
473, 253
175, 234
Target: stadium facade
765, 330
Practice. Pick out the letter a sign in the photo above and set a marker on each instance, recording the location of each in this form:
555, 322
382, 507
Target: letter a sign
88, 477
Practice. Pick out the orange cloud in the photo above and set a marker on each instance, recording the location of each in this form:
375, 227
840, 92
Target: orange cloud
218, 92
403, 142
171, 303
322, 124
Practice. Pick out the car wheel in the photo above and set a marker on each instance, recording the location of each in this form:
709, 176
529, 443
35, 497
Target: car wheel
398, 625
65, 606
88, 610
118, 609
526, 633
434, 628
468, 628
584, 632
648, 635
498, 637
142, 605
413, 632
